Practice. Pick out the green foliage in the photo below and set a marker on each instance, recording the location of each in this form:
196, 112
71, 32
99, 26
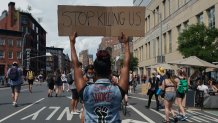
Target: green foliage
198, 40
133, 62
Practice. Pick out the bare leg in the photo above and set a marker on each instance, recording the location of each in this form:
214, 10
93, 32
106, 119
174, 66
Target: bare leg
167, 112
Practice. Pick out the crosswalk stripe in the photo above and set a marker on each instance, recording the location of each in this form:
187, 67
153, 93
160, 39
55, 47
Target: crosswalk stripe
178, 113
141, 114
205, 116
193, 116
21, 110
158, 113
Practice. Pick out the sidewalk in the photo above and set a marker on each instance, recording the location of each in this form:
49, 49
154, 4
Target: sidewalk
5, 86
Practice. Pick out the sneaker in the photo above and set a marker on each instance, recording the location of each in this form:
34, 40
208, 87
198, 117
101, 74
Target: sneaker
147, 107
175, 119
179, 116
184, 118
78, 111
72, 112
14, 104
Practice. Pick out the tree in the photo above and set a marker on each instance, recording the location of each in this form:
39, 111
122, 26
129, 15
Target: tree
199, 40
133, 62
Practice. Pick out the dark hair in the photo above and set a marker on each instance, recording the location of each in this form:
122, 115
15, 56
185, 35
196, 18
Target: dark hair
88, 68
169, 75
102, 63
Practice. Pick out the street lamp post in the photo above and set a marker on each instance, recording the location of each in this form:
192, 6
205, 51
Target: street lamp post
24, 39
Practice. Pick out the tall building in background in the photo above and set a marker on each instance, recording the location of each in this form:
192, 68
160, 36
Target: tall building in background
91, 59
58, 57
33, 36
84, 58
115, 48
175, 15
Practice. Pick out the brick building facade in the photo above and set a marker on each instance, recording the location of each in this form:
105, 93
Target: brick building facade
32, 32
10, 49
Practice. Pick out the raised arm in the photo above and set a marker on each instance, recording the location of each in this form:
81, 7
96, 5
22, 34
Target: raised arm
124, 75
78, 74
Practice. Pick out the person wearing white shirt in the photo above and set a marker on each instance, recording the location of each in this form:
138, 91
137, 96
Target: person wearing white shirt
204, 88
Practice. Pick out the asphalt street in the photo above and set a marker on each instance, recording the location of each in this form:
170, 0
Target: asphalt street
36, 107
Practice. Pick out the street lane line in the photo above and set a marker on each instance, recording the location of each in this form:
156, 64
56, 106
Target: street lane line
197, 118
141, 98
204, 116
21, 110
186, 119
141, 114
67, 112
55, 110
34, 115
211, 113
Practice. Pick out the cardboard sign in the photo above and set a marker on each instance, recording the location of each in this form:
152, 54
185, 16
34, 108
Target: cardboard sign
101, 21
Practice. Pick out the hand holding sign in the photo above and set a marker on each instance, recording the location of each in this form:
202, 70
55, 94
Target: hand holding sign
73, 38
122, 38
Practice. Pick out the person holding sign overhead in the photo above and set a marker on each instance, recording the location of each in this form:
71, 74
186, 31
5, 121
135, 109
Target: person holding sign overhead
102, 99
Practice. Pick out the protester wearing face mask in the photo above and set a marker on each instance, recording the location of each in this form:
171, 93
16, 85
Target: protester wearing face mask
89, 74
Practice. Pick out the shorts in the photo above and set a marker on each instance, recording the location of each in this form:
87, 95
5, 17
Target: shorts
180, 95
75, 94
170, 96
16, 88
30, 81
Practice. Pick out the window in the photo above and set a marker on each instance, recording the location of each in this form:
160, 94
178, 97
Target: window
33, 26
26, 29
37, 37
157, 13
2, 42
169, 7
19, 43
185, 24
211, 17
148, 22
18, 55
154, 14
158, 46
165, 43
2, 54
146, 26
179, 29
37, 30
164, 7
149, 54
154, 48
170, 41
200, 18
10, 42
10, 55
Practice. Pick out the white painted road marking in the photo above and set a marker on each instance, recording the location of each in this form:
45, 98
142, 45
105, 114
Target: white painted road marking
34, 115
132, 121
55, 110
20, 110
67, 111
141, 114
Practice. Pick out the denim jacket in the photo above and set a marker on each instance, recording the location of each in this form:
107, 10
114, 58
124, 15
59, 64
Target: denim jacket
102, 102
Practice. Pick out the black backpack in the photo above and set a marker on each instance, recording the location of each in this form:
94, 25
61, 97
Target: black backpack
13, 74
70, 79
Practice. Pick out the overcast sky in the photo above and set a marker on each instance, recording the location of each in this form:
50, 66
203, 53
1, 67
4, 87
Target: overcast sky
47, 10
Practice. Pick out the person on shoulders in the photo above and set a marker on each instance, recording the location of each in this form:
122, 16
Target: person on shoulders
99, 109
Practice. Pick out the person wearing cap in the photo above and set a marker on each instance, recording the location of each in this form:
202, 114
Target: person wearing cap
14, 75
154, 82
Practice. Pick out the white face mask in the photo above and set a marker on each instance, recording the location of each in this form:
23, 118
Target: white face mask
90, 75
